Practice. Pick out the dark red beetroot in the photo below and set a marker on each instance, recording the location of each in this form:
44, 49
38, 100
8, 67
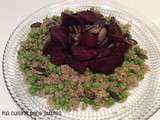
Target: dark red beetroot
79, 66
106, 65
82, 51
115, 33
47, 48
89, 40
103, 52
70, 20
121, 49
71, 41
59, 35
58, 56
83, 54
89, 17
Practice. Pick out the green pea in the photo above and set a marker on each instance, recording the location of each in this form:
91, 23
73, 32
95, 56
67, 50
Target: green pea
32, 79
46, 89
21, 53
57, 70
46, 18
110, 101
44, 33
113, 94
57, 106
141, 75
27, 55
33, 35
138, 61
55, 18
41, 59
28, 73
109, 89
112, 78
60, 87
87, 100
96, 84
33, 90
87, 85
125, 63
123, 95
95, 76
120, 85
52, 89
66, 107
137, 49
63, 100
50, 68
68, 11
24, 66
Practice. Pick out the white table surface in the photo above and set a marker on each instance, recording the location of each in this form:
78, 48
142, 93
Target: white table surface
12, 12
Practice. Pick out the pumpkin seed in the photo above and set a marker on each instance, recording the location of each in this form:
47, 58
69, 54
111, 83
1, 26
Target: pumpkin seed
104, 42
95, 30
132, 41
35, 25
142, 56
102, 35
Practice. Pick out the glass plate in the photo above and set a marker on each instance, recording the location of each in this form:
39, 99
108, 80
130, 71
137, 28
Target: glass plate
144, 100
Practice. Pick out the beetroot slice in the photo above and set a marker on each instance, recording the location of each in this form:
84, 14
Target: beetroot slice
82, 54
103, 52
70, 20
59, 35
121, 49
79, 66
115, 33
106, 65
47, 48
70, 41
58, 56
80, 49
89, 40
89, 17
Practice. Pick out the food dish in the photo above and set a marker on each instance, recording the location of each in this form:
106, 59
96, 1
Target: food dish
90, 56
144, 99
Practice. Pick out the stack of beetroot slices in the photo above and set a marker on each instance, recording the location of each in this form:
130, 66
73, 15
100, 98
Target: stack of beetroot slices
86, 40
